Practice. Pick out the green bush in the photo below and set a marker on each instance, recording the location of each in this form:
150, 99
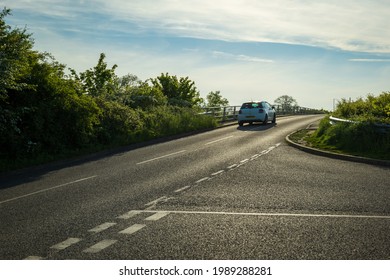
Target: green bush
372, 109
170, 120
360, 138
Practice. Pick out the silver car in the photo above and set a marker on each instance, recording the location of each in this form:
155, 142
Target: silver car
256, 111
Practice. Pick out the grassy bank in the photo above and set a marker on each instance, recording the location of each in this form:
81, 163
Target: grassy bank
359, 139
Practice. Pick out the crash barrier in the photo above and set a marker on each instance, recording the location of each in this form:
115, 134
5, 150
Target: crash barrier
230, 113
380, 126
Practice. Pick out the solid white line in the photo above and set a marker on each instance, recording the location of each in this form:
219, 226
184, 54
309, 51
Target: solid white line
102, 227
182, 189
65, 244
129, 215
215, 141
157, 216
100, 246
132, 229
48, 189
276, 214
164, 156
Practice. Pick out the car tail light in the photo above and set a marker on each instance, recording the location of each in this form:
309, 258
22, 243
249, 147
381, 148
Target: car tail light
261, 110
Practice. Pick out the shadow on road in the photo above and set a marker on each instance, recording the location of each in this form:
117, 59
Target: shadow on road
256, 127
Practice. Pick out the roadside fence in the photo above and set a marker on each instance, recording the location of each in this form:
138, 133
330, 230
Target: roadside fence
230, 113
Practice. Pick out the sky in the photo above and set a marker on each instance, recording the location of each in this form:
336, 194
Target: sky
318, 52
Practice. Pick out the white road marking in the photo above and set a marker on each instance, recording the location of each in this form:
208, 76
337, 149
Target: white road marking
132, 229
157, 216
232, 166
218, 172
48, 189
65, 244
276, 214
102, 227
182, 189
201, 180
164, 156
34, 258
218, 140
129, 215
156, 201
100, 246
244, 160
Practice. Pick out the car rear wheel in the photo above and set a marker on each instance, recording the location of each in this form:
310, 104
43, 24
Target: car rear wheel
265, 120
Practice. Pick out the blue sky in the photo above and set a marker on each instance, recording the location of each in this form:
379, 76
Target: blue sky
315, 51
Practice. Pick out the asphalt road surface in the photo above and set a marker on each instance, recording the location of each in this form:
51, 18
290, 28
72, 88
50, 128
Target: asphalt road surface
231, 193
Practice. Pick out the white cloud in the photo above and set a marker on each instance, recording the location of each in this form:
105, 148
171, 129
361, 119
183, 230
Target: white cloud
240, 57
369, 60
142, 38
352, 25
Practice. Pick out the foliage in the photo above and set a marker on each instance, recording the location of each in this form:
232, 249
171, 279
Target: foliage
179, 92
371, 109
286, 102
359, 138
15, 54
215, 99
98, 81
46, 114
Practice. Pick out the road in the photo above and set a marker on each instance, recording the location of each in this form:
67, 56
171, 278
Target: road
230, 193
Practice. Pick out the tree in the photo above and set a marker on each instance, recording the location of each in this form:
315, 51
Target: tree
15, 56
98, 81
287, 103
215, 99
180, 92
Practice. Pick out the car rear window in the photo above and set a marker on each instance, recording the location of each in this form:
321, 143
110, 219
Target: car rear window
251, 105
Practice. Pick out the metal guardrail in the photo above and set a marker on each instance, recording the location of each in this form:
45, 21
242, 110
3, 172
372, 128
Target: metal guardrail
230, 113
382, 127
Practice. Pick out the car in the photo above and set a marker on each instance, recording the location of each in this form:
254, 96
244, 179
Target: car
256, 111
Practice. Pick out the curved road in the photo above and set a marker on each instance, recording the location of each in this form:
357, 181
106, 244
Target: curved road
230, 193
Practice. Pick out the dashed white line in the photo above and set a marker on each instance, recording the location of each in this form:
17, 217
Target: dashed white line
232, 166
218, 172
244, 160
156, 201
102, 227
65, 244
182, 189
164, 156
48, 189
218, 140
129, 215
133, 229
157, 216
100, 246
202, 180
